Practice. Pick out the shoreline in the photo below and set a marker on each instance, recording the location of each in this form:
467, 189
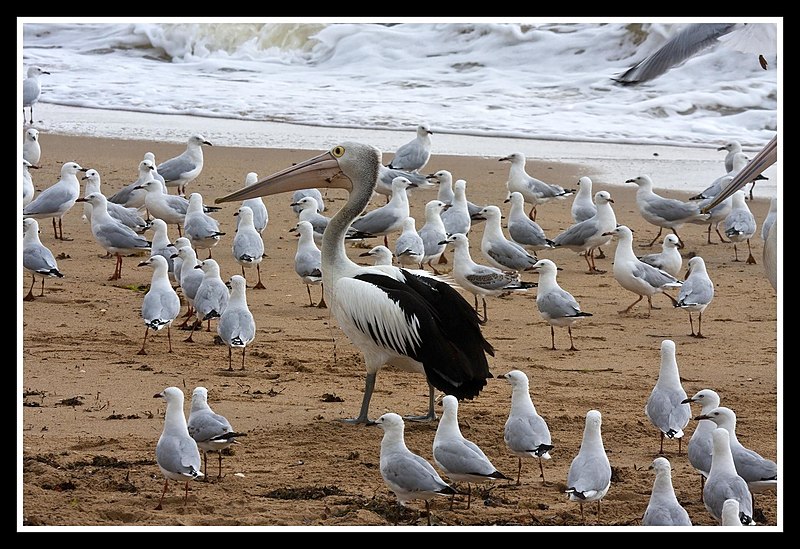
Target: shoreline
606, 163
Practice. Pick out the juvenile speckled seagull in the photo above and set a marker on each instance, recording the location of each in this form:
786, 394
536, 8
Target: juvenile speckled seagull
212, 432
696, 293
461, 460
525, 433
416, 323
589, 476
635, 275
557, 306
666, 407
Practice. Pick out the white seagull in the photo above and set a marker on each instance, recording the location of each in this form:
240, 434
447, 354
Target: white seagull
149, 156
177, 261
31, 90
395, 317
309, 211
409, 247
133, 194
740, 225
390, 217
731, 516
666, 407
190, 281
200, 228
380, 254
557, 306
585, 236
127, 216
248, 246
457, 218
700, 443
415, 154
113, 236
534, 191
760, 473
522, 229
525, 433
433, 233
481, 280
31, 148
184, 168
260, 212
308, 261
28, 190
589, 475
724, 482
56, 200
663, 508
664, 213
236, 326
498, 250
446, 193
461, 460
302, 193
161, 245
212, 432
405, 473
636, 276
37, 259
161, 304
583, 207
177, 454
696, 292
212, 294
669, 259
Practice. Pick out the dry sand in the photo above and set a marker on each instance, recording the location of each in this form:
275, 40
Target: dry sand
90, 423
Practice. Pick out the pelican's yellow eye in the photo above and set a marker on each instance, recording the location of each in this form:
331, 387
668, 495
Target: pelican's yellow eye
337, 151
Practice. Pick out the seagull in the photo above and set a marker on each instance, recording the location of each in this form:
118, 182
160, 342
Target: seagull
176, 452
446, 193
535, 191
113, 236
302, 193
190, 280
161, 245
200, 228
717, 214
212, 432
498, 250
177, 261
636, 276
37, 259
248, 246
161, 304
56, 200
461, 460
31, 148
526, 433
127, 216
387, 175
583, 207
31, 90
663, 509
700, 444
457, 218
696, 292
309, 212
390, 217
694, 38
28, 190
480, 279
759, 472
724, 482
415, 154
308, 261
132, 195
168, 207
730, 513
407, 474
212, 295
433, 233
260, 212
150, 157
733, 165
381, 255
394, 317
669, 259
669, 213
740, 225
556, 305
184, 168
589, 475
522, 229
592, 233
666, 407
735, 160
409, 246
236, 326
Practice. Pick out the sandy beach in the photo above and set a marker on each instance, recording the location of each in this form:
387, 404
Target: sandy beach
89, 422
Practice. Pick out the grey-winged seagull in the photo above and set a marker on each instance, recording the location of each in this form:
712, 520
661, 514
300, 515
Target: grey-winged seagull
414, 155
498, 250
665, 406
308, 261
433, 233
133, 194
740, 225
212, 431
31, 90
260, 212
663, 508
380, 254
585, 236
669, 259
696, 292
698, 450
181, 170
535, 191
556, 306
161, 304
37, 259
236, 326
589, 475
522, 229
125, 215
724, 482
200, 228
409, 247
31, 148
28, 189
390, 217
248, 246
212, 294
56, 200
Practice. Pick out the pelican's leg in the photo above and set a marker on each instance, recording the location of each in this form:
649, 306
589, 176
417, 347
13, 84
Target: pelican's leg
431, 415
362, 415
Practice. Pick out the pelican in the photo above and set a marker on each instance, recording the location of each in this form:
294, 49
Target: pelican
397, 318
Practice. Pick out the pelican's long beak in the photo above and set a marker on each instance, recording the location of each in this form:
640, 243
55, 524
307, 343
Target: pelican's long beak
320, 171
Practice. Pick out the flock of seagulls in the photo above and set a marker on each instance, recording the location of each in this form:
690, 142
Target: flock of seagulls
400, 315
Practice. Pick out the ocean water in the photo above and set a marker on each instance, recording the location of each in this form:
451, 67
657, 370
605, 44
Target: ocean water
527, 80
